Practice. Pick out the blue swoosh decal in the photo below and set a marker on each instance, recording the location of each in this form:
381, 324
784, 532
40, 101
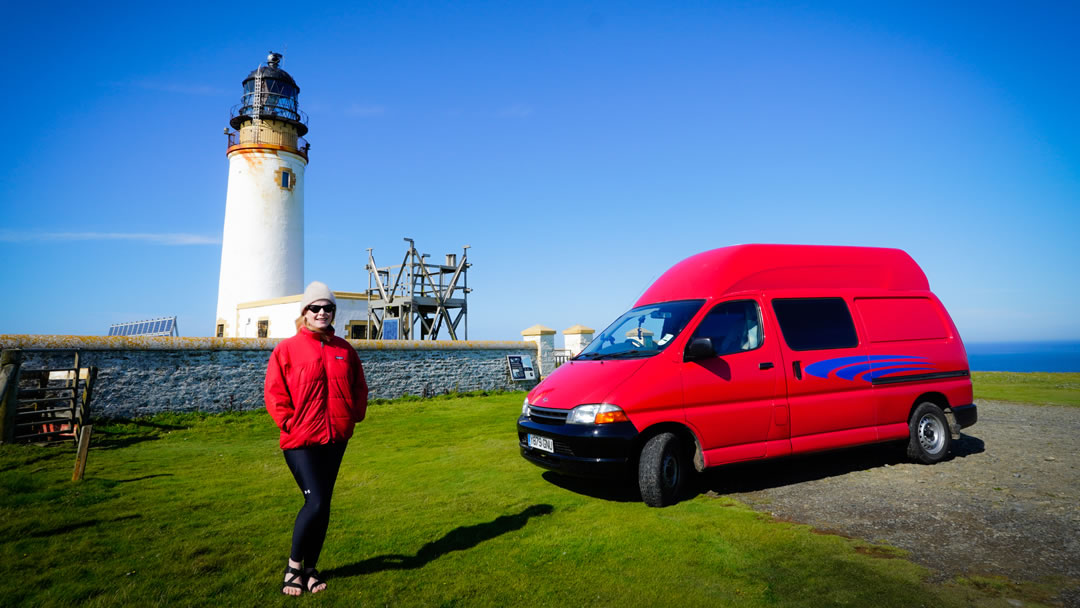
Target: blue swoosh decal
821, 369
867, 368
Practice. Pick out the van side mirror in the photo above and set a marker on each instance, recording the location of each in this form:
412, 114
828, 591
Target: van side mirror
698, 349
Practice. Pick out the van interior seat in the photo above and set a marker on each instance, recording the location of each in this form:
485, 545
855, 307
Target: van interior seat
753, 336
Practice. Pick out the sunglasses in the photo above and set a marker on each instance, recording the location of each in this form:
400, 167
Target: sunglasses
317, 308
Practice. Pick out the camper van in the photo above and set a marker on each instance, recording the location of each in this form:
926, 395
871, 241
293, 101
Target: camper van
751, 352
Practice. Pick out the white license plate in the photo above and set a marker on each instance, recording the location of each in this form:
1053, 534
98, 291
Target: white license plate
542, 443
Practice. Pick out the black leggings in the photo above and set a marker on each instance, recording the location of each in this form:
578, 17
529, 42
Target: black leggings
315, 469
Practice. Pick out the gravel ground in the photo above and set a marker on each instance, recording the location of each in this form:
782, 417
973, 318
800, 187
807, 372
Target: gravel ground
1006, 502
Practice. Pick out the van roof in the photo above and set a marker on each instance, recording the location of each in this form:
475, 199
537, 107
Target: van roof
756, 267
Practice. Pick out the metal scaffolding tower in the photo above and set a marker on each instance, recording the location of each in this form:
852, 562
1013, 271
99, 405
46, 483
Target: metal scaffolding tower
418, 295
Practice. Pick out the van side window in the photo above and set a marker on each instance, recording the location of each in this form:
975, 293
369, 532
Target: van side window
815, 323
733, 327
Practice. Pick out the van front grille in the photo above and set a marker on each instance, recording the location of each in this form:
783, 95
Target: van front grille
547, 415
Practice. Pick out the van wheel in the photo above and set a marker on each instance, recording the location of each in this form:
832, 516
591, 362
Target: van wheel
662, 470
929, 434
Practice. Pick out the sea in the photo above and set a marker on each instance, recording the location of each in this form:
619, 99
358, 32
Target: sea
1023, 356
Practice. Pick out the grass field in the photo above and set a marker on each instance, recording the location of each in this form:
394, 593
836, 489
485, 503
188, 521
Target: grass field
434, 507
1038, 388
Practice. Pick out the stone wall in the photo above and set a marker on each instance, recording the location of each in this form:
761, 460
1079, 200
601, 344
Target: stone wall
144, 376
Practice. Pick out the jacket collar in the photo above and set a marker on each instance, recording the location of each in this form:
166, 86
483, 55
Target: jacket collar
324, 337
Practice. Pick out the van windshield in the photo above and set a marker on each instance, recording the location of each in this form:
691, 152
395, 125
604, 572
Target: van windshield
643, 331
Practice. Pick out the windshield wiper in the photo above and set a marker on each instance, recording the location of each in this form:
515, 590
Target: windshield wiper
634, 351
619, 354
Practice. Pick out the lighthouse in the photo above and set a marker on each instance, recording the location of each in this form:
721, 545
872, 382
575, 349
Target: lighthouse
262, 246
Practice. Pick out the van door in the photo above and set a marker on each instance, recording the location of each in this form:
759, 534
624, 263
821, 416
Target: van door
729, 398
830, 404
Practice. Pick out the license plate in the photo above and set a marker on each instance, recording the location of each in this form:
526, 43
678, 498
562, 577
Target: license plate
542, 443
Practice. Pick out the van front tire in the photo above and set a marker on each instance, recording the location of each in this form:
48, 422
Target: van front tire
929, 435
662, 470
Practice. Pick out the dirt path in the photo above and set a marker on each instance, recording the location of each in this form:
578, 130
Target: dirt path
1007, 502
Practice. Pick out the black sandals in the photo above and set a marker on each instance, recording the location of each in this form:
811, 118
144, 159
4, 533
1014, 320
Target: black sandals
313, 579
293, 582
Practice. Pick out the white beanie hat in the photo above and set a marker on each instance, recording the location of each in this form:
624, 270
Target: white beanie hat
316, 291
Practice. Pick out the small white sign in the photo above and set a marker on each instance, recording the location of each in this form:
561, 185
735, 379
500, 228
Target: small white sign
521, 367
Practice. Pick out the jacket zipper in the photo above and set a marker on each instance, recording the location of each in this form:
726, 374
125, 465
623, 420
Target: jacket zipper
326, 393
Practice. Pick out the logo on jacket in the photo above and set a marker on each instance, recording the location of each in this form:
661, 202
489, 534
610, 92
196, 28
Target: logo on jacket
868, 368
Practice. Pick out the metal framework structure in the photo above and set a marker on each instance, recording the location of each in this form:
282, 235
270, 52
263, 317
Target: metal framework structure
420, 298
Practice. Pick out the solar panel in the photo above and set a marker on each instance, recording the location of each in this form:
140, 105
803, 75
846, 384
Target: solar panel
164, 326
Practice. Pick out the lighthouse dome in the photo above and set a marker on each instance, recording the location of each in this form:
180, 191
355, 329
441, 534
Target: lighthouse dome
270, 93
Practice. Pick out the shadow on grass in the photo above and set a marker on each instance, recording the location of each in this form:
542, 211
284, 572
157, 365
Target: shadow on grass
768, 474
46, 455
116, 434
116, 442
144, 477
458, 539
615, 489
90, 523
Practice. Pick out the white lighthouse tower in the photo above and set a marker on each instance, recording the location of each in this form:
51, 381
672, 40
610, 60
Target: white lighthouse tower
262, 247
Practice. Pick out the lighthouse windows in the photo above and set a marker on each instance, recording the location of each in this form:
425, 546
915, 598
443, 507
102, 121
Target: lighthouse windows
287, 181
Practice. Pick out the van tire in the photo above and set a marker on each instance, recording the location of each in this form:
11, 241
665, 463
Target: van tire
929, 434
662, 470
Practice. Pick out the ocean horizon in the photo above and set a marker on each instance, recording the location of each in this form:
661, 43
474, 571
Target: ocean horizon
1063, 356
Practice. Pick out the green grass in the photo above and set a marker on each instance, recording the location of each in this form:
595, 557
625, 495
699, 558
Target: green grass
433, 507
1038, 388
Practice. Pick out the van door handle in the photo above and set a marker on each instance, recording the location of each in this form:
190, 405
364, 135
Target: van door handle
797, 368
766, 365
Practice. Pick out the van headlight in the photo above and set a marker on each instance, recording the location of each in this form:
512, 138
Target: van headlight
596, 413
525, 407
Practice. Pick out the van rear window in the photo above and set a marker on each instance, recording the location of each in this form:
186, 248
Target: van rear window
898, 319
815, 323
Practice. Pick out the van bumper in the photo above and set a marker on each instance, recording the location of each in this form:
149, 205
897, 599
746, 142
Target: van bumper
965, 415
583, 450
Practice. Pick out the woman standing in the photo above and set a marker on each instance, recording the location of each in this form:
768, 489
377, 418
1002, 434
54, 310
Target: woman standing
316, 393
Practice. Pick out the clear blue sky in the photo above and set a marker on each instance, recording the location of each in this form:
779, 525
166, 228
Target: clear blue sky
580, 148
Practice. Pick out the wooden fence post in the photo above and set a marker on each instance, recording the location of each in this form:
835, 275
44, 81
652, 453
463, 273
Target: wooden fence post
10, 361
83, 412
84, 448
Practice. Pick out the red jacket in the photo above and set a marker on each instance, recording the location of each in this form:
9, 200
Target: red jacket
315, 391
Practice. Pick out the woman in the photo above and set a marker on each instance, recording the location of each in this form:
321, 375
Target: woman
316, 393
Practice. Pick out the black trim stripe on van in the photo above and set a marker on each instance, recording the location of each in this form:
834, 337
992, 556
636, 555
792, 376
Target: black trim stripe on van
920, 377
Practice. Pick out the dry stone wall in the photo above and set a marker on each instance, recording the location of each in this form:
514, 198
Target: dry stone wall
145, 376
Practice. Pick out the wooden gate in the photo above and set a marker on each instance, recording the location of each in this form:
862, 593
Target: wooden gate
48, 405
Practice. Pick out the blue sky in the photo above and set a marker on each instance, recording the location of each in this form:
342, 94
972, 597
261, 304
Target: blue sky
580, 148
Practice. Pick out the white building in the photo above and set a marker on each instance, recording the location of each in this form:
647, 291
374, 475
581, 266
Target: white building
276, 318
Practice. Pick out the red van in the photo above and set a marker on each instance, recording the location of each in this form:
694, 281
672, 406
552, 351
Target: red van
751, 352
